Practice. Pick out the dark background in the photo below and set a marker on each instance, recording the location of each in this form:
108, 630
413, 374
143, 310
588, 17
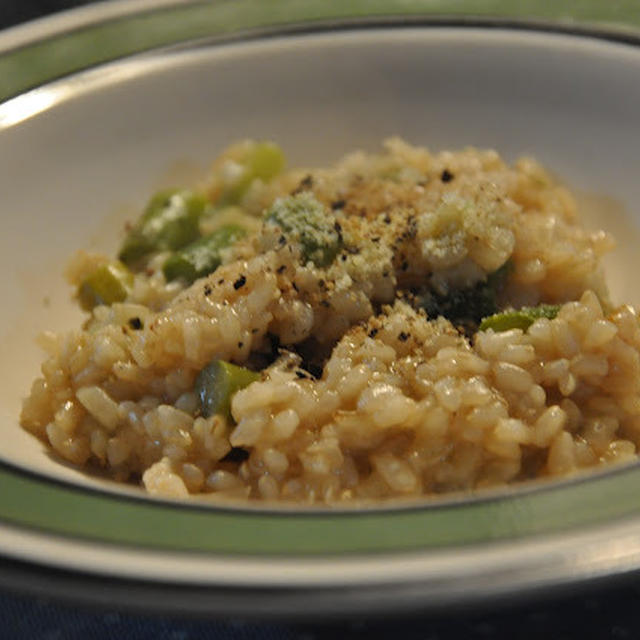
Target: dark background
602, 613
13, 12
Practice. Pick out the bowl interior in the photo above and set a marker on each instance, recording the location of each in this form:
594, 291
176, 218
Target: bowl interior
79, 157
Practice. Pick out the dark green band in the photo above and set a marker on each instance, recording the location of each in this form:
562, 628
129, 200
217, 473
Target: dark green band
63, 53
37, 503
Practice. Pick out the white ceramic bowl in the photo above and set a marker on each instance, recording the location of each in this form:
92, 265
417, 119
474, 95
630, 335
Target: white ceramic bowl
80, 155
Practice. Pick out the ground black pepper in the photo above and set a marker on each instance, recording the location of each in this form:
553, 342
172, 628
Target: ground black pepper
446, 176
304, 184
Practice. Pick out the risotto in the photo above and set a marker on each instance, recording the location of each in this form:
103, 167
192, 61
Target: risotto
400, 324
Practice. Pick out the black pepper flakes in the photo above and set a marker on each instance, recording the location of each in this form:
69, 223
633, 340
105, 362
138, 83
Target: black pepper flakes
295, 287
207, 290
304, 184
240, 282
446, 176
404, 266
338, 204
403, 336
373, 333
281, 269
387, 218
135, 323
221, 281
282, 241
240, 345
411, 230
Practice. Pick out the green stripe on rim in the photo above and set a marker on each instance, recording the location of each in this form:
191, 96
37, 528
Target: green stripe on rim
37, 503
55, 508
61, 54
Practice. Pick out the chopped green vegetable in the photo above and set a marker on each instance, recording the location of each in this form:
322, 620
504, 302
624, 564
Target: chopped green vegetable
466, 307
169, 222
203, 256
263, 160
109, 283
306, 221
218, 382
519, 319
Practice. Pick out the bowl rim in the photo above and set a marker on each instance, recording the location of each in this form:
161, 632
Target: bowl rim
173, 23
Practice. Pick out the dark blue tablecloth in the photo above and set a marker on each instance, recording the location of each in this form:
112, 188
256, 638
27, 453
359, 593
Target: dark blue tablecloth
612, 612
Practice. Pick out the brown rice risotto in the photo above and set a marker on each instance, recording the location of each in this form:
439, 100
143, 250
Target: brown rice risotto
400, 324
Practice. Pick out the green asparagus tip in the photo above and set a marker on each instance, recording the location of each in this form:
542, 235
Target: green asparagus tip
217, 383
519, 319
107, 284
